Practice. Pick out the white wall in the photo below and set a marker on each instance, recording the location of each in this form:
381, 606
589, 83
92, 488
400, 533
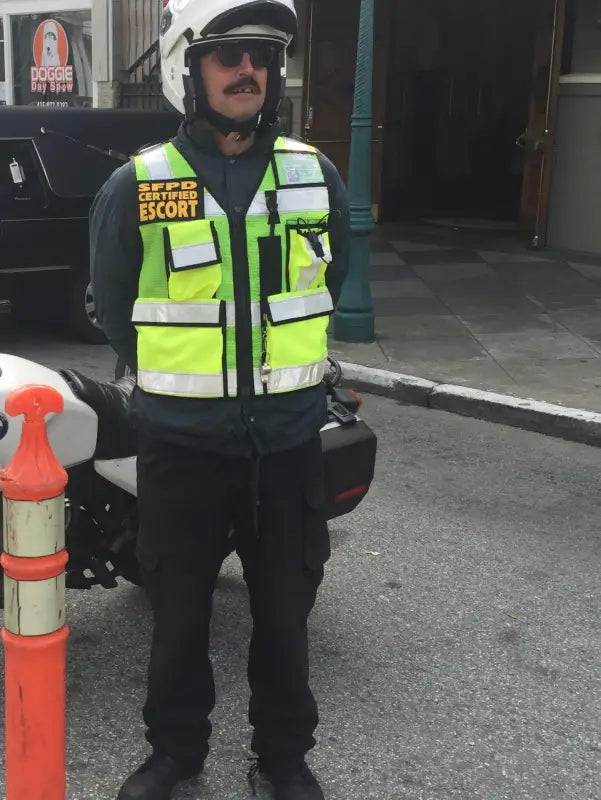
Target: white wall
102, 48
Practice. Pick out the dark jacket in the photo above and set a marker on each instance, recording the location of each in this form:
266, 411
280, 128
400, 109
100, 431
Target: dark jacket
235, 426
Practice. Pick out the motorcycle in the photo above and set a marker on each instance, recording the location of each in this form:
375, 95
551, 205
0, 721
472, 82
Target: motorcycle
95, 443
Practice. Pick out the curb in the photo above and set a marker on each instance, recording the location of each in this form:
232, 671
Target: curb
572, 424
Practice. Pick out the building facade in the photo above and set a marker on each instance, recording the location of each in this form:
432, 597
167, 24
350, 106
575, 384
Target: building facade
78, 53
46, 53
575, 206
104, 53
486, 112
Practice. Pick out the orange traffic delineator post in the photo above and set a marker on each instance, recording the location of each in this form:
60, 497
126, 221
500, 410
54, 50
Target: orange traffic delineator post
34, 633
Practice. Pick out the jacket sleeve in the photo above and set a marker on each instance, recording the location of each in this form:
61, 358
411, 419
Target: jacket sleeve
338, 228
116, 260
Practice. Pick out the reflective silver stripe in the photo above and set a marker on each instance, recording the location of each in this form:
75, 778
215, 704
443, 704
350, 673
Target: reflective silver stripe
232, 383
176, 313
287, 379
290, 200
190, 313
182, 384
302, 306
230, 313
258, 207
191, 255
212, 207
292, 145
316, 199
157, 164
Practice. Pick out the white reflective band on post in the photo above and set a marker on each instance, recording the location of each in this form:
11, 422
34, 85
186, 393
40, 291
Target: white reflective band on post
181, 383
212, 207
300, 307
157, 164
34, 529
191, 255
34, 608
255, 314
287, 379
176, 313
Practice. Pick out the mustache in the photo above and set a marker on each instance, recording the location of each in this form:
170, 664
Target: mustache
243, 83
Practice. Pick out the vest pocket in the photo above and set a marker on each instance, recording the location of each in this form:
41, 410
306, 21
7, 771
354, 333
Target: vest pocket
270, 263
296, 329
193, 260
181, 347
308, 256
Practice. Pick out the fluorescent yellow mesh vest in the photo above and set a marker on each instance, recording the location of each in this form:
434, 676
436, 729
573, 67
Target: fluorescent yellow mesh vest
186, 314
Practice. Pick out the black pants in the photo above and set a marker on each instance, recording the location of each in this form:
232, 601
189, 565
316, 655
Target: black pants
188, 502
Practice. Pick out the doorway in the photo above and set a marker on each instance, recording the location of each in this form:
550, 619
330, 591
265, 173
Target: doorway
331, 56
469, 111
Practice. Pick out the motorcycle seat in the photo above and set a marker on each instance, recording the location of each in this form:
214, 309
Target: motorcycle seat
110, 401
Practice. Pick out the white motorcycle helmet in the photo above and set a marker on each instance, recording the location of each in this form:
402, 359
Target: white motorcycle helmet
189, 27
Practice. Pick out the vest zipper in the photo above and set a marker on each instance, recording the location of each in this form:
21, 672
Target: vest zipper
244, 347
271, 201
266, 369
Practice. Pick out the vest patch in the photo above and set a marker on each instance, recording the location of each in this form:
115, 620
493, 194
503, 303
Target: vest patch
163, 200
299, 168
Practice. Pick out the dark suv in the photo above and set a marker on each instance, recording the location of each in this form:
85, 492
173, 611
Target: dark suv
52, 163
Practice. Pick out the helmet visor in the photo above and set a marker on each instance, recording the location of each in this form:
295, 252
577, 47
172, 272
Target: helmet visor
231, 54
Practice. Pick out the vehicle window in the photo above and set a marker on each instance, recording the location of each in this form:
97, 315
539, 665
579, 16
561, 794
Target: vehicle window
72, 169
20, 176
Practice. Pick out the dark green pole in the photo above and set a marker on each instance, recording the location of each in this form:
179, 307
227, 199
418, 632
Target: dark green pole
354, 317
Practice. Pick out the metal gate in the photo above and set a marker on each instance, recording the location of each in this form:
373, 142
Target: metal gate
140, 83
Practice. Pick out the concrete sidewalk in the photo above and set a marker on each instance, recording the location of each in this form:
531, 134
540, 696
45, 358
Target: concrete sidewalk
480, 310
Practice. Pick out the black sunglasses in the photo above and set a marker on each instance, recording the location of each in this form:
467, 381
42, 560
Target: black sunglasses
232, 55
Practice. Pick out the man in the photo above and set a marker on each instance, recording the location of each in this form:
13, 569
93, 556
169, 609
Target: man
216, 259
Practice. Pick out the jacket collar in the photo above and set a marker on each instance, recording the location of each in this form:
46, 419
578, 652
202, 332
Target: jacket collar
203, 139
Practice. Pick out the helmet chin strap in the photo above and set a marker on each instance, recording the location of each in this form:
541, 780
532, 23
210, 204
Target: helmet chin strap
226, 126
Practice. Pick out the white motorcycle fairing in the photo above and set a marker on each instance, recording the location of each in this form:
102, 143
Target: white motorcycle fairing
72, 434
119, 471
94, 428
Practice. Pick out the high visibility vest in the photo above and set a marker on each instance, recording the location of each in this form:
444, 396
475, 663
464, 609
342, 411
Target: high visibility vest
185, 314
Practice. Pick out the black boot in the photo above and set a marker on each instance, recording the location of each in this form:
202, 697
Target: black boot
291, 780
156, 778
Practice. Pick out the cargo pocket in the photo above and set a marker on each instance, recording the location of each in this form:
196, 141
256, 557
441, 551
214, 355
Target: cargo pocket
308, 255
296, 328
316, 543
193, 260
181, 347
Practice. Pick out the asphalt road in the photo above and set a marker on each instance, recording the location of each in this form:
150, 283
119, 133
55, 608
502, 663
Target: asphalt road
455, 645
